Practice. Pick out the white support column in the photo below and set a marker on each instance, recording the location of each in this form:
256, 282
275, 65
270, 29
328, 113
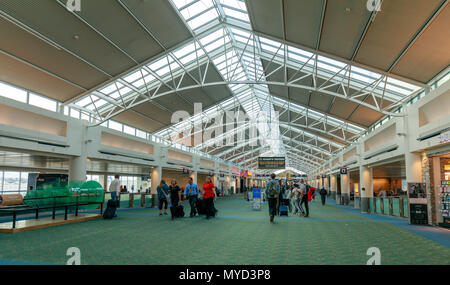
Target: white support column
333, 186
345, 188
366, 185
77, 168
156, 178
413, 163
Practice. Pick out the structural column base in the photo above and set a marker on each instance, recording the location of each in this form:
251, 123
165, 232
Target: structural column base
365, 205
345, 199
357, 202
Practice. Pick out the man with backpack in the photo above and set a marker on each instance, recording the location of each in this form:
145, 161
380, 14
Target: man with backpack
272, 192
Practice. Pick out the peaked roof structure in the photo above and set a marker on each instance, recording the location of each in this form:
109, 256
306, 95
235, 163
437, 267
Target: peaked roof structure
262, 92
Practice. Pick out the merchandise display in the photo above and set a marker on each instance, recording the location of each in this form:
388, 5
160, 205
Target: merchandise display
445, 202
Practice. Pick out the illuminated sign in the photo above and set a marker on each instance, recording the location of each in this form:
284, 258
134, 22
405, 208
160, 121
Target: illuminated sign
344, 171
271, 162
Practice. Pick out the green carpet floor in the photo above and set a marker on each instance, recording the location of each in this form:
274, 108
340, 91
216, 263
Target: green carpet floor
238, 235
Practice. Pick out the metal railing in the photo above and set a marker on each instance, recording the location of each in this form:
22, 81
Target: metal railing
24, 209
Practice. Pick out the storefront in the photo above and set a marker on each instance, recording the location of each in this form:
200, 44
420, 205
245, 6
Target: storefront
436, 176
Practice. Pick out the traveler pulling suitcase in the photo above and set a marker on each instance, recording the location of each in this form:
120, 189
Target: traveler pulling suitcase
111, 207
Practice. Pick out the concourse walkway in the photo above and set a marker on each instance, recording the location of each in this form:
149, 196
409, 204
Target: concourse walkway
331, 235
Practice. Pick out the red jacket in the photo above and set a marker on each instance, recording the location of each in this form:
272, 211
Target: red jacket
208, 187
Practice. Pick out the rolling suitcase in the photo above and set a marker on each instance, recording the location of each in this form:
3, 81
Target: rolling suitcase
284, 210
179, 211
110, 211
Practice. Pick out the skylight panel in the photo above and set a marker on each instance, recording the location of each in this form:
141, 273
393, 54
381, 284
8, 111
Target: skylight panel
236, 14
182, 3
196, 8
84, 102
203, 19
108, 89
158, 64
217, 44
134, 76
184, 51
238, 4
212, 37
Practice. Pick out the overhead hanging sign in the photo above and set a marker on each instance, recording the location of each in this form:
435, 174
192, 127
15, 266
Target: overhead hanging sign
185, 171
271, 162
344, 171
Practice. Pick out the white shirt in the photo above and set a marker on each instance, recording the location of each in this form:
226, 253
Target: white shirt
296, 192
115, 186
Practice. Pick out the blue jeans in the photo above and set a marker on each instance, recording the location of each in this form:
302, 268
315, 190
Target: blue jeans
115, 197
193, 204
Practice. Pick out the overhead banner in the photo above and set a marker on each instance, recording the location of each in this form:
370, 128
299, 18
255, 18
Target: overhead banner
271, 162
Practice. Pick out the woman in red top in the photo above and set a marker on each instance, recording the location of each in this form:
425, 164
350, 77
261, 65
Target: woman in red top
209, 192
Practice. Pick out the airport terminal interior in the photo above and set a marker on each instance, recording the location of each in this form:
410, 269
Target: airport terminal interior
104, 104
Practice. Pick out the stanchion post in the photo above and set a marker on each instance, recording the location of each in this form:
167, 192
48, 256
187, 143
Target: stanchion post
76, 208
14, 219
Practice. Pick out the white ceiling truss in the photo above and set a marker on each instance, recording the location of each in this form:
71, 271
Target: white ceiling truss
248, 64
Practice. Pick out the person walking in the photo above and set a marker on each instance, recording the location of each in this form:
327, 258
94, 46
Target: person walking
304, 196
209, 194
114, 188
163, 193
323, 195
175, 197
272, 192
191, 192
295, 196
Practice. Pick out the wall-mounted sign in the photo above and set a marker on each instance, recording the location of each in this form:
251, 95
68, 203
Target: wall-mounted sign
271, 162
343, 171
445, 137
185, 171
418, 202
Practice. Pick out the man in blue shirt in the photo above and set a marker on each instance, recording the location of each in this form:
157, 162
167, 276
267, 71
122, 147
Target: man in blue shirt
191, 191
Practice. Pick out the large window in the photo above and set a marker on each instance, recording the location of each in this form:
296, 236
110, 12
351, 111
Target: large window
13, 182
